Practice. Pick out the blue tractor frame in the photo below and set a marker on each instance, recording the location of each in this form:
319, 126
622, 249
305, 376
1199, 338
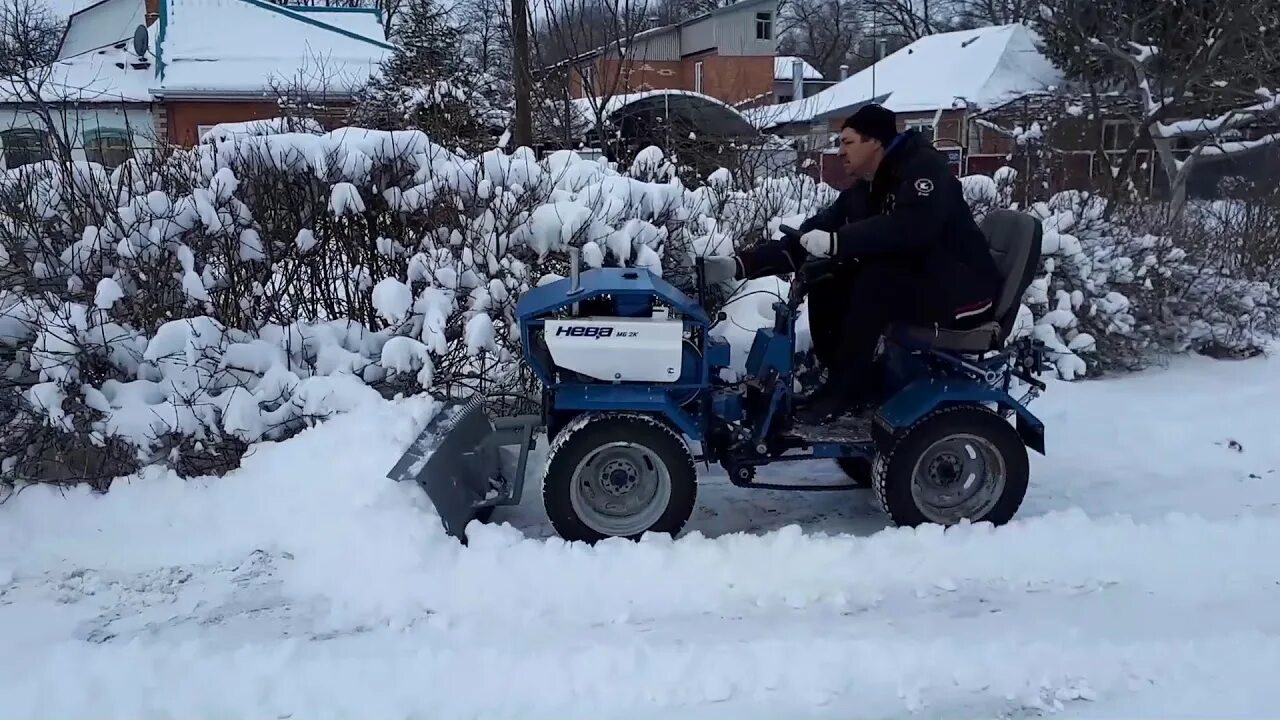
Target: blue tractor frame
737, 423
741, 424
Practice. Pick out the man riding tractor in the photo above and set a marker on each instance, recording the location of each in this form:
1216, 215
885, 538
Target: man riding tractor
905, 249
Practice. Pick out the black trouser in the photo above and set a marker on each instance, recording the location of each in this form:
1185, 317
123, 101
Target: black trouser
860, 308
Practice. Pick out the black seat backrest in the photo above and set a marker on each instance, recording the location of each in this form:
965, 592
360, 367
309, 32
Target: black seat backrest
1014, 239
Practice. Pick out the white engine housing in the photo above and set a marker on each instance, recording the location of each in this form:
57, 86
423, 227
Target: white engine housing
615, 349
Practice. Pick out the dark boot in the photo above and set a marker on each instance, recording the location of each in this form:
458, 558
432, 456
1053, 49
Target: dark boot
832, 401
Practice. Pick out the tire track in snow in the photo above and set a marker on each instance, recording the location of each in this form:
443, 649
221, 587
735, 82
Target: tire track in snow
801, 669
1178, 556
924, 623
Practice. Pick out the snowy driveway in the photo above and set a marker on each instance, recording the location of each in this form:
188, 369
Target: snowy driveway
1140, 580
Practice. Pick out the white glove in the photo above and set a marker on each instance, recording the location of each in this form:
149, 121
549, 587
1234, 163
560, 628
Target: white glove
819, 243
719, 269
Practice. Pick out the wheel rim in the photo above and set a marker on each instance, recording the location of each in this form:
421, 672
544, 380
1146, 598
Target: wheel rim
958, 477
620, 489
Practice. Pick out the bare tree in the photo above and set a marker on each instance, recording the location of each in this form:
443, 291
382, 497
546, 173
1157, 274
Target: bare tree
390, 9
520, 71
486, 26
29, 38
596, 45
673, 11
1202, 72
908, 20
982, 13
826, 33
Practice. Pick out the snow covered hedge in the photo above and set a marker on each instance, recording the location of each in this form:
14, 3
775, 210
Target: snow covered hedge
1111, 294
188, 304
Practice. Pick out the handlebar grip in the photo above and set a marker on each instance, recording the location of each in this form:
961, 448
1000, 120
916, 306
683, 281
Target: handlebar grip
700, 278
790, 231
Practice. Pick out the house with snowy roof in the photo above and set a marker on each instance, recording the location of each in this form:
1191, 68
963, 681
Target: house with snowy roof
727, 54
934, 85
131, 72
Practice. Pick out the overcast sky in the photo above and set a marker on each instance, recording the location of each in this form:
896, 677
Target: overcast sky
66, 7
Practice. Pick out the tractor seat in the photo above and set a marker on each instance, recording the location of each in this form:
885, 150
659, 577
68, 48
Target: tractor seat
974, 340
1014, 239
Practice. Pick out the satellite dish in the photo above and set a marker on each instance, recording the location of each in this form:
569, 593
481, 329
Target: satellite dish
140, 41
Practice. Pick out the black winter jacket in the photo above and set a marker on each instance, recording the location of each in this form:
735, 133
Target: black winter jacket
913, 212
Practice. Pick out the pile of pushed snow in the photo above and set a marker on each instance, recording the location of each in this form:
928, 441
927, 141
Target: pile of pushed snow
307, 584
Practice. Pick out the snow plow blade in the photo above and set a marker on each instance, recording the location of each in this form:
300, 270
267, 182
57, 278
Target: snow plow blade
466, 463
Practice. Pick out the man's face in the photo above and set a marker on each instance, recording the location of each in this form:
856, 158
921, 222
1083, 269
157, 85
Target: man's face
861, 155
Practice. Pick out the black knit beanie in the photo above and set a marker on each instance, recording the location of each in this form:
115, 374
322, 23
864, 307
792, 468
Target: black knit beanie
874, 121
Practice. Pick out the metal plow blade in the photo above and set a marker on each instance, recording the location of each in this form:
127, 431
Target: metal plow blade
466, 462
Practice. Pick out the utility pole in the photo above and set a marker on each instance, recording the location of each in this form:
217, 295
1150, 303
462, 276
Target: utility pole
522, 72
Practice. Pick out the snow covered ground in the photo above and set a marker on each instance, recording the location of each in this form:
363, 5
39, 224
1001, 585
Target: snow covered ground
1140, 580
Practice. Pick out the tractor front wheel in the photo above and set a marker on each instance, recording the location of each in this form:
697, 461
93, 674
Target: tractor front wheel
618, 475
958, 463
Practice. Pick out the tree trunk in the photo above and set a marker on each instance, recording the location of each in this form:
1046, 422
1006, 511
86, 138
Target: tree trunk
521, 72
1176, 176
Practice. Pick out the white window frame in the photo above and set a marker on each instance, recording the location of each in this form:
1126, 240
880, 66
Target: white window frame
698, 76
922, 124
91, 141
43, 152
1107, 124
764, 24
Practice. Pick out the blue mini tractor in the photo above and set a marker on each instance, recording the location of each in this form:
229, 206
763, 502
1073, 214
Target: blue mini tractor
632, 382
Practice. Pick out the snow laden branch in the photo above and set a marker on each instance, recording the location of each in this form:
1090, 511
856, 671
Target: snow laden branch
1212, 144
1176, 81
1226, 122
1137, 57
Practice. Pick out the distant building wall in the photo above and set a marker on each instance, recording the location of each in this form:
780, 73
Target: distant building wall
183, 120
131, 123
731, 79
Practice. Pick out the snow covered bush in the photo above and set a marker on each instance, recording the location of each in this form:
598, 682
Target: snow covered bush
189, 304
1112, 293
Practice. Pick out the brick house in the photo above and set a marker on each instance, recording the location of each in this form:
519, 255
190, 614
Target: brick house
131, 73
1080, 143
1087, 135
225, 60
728, 54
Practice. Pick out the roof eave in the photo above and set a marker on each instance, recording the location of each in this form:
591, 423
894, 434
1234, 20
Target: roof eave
116, 101
832, 113
260, 94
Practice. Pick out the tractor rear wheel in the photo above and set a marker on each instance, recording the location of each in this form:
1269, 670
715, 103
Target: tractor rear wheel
618, 475
958, 463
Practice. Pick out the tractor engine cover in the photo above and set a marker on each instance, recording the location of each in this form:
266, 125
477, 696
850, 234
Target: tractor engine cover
613, 349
